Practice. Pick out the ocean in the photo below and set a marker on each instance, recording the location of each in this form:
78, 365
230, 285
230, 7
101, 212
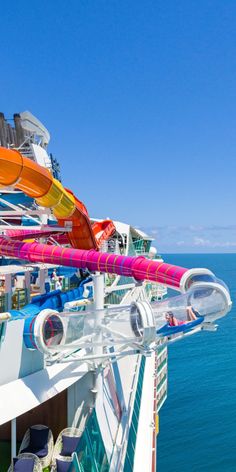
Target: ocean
198, 419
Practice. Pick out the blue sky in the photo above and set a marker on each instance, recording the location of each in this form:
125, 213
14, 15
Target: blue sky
194, 239
140, 100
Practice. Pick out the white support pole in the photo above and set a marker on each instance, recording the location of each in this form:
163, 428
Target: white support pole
42, 280
43, 217
8, 290
98, 281
98, 286
27, 284
13, 438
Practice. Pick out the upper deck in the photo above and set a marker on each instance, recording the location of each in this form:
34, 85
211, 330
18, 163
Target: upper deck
28, 135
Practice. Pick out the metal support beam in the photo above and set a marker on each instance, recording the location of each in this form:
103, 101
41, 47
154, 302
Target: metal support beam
13, 438
27, 285
42, 278
8, 290
98, 281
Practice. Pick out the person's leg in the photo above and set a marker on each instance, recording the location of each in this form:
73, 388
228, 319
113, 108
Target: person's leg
190, 314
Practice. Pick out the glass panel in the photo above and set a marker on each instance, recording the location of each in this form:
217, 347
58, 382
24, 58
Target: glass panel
129, 460
92, 453
19, 298
3, 302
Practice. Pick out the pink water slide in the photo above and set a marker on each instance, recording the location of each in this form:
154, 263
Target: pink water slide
138, 267
46, 232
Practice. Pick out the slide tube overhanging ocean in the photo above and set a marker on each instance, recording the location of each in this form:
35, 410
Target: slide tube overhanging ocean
141, 324
139, 268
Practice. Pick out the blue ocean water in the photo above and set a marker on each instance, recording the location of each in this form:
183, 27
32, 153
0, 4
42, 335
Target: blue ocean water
198, 419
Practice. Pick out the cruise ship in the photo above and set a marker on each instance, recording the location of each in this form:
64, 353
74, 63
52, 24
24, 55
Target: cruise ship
85, 321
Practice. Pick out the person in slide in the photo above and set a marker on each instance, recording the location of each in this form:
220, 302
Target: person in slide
172, 320
192, 315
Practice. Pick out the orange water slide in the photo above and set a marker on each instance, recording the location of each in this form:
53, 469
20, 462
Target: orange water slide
37, 182
103, 230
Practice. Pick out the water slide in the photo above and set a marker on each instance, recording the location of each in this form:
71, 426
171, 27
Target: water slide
139, 267
140, 324
24, 234
46, 232
102, 231
35, 181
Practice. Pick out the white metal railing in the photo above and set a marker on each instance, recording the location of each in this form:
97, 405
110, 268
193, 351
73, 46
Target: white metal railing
141, 252
158, 290
111, 246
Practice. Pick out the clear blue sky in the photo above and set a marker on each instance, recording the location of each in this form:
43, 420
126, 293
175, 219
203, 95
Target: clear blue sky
140, 100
